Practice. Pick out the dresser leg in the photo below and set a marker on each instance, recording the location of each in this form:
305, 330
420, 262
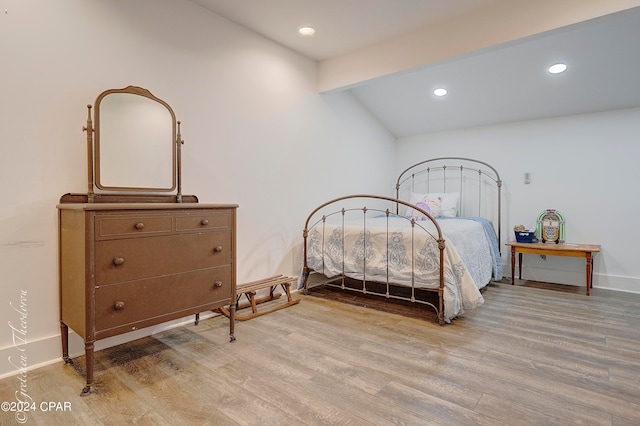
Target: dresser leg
232, 322
88, 349
64, 335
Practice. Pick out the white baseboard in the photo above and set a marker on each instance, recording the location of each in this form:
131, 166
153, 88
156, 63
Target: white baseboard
19, 360
617, 283
48, 350
578, 278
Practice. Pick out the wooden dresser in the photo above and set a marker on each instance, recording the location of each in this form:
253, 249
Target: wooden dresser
125, 266
134, 251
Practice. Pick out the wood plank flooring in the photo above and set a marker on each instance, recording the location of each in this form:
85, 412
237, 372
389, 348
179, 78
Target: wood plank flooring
532, 355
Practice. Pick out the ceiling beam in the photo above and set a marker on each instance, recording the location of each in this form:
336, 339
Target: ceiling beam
501, 22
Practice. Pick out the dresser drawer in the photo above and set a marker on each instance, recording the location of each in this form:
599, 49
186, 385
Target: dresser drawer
136, 258
204, 221
127, 226
130, 303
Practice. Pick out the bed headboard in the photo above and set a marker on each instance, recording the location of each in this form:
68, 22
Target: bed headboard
477, 182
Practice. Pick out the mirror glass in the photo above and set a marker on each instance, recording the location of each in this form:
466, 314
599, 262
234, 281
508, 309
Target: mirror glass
135, 138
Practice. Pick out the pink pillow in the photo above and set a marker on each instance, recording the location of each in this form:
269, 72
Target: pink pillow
433, 206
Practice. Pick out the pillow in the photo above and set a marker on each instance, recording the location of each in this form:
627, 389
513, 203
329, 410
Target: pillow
429, 205
424, 206
448, 202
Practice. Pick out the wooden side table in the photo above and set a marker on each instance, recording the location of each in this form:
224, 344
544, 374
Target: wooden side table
564, 249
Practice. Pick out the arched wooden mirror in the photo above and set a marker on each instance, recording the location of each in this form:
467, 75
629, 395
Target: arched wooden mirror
133, 144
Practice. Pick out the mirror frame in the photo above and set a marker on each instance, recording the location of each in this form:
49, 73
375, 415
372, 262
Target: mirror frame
93, 146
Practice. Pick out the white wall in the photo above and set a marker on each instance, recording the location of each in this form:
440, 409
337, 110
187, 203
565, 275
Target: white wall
256, 133
586, 166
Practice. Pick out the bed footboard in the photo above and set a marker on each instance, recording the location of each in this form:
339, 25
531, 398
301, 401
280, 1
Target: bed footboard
362, 238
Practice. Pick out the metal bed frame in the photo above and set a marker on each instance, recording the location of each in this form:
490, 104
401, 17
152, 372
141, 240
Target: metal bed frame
437, 175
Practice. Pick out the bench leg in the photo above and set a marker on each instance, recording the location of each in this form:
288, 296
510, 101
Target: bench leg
252, 300
287, 289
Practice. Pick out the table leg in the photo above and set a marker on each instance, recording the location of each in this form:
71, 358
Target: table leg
519, 266
589, 271
513, 264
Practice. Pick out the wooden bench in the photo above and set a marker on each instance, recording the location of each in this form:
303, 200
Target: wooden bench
250, 289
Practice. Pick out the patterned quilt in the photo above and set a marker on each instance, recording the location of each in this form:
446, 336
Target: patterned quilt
406, 255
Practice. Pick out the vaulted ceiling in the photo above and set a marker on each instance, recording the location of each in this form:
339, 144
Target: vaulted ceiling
493, 83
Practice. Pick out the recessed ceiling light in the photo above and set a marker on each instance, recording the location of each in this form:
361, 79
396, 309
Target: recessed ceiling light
306, 31
557, 68
440, 92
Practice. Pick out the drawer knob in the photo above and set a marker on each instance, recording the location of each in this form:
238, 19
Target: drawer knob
139, 225
118, 261
119, 305
217, 284
204, 222
217, 249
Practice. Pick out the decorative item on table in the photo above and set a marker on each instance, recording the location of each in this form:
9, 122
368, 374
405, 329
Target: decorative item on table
550, 227
522, 235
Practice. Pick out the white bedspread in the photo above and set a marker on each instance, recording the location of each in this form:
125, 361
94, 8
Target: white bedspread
472, 244
412, 256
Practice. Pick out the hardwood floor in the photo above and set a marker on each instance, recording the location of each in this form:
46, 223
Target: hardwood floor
530, 356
